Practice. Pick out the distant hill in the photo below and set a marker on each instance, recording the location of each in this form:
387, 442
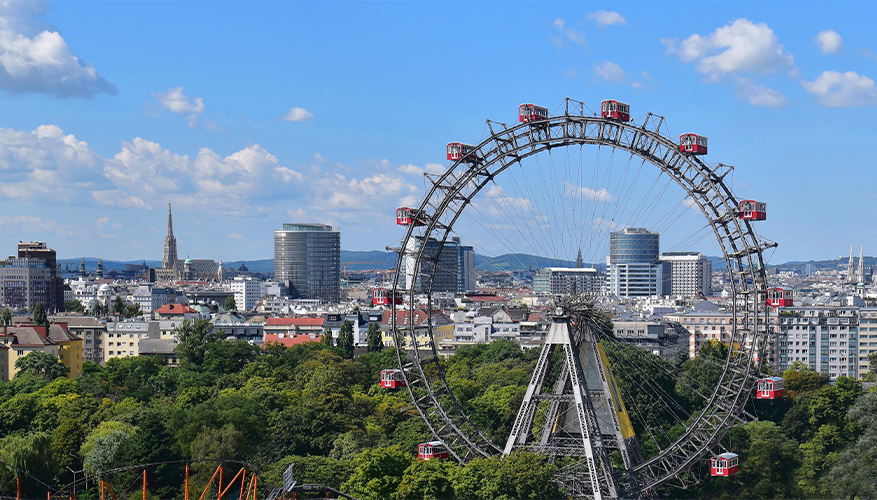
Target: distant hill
376, 259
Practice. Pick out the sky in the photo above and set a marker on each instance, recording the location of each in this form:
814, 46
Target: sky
246, 115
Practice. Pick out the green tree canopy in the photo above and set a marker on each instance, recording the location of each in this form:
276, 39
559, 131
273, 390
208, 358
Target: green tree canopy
327, 337
39, 315
194, 337
5, 318
230, 304
41, 364
377, 473
374, 338
345, 339
74, 306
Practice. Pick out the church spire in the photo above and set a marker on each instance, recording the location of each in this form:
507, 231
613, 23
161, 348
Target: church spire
851, 278
860, 273
579, 263
169, 256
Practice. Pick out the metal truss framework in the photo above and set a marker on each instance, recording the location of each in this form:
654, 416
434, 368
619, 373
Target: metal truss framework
452, 191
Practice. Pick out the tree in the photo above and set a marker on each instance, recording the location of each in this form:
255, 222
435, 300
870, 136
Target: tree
119, 305
193, 340
74, 306
853, 476
428, 479
98, 309
132, 310
871, 376
327, 337
375, 340
5, 318
39, 315
345, 339
768, 465
230, 304
377, 473
41, 364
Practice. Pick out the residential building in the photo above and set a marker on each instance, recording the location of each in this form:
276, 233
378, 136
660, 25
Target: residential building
163, 348
867, 338
178, 312
70, 348
291, 327
442, 326
4, 362
122, 338
247, 292
824, 339
90, 330
22, 340
307, 260
567, 280
236, 327
150, 297
632, 266
690, 273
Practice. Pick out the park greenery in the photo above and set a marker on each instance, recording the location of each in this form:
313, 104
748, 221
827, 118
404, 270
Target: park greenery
321, 408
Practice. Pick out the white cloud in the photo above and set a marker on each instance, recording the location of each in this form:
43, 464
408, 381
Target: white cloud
609, 72
840, 90
235, 236
35, 58
297, 115
565, 35
104, 224
606, 18
645, 83
572, 73
319, 158
432, 168
828, 41
176, 102
759, 95
601, 195
739, 47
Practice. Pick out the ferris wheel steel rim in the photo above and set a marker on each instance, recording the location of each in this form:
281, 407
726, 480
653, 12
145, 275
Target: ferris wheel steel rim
452, 191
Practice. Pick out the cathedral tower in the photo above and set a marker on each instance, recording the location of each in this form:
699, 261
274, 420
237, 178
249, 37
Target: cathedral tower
169, 256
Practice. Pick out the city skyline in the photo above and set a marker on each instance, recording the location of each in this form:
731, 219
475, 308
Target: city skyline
244, 124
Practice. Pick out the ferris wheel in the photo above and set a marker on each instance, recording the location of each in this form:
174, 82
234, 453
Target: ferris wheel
564, 185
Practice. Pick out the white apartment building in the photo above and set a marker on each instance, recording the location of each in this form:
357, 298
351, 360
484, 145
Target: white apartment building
825, 339
690, 273
567, 280
247, 292
122, 338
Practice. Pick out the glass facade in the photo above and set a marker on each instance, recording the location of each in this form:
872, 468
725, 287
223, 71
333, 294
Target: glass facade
307, 258
633, 245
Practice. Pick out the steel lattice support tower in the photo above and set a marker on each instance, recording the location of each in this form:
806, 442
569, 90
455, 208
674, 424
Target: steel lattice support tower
583, 412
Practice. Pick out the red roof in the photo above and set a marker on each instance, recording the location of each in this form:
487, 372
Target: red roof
175, 309
294, 321
290, 341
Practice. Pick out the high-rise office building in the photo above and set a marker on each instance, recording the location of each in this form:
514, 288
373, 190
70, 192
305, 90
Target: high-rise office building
32, 277
632, 267
690, 273
452, 267
307, 259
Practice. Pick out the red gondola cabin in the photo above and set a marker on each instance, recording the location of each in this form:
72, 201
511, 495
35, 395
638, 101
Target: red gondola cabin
724, 464
392, 379
459, 151
769, 388
780, 296
692, 144
433, 450
752, 210
383, 297
406, 216
615, 110
531, 113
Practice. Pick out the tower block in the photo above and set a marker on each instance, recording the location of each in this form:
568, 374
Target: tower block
580, 411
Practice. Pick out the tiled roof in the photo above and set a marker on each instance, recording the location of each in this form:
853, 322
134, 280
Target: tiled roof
294, 321
175, 309
291, 341
29, 335
420, 318
58, 333
157, 346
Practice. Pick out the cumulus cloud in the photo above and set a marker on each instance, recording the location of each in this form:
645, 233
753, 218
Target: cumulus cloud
605, 18
432, 168
601, 195
759, 95
34, 57
645, 83
609, 72
297, 115
567, 35
175, 101
739, 47
840, 90
828, 41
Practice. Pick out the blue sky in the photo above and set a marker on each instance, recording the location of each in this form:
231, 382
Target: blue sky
247, 115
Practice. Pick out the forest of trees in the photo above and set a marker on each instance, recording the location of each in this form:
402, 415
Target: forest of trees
312, 406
